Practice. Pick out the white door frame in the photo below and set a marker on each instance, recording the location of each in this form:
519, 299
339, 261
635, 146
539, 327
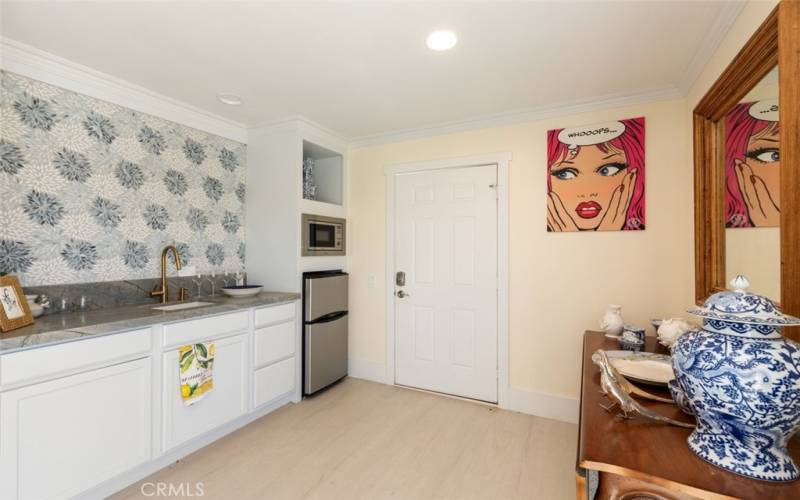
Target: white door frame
501, 160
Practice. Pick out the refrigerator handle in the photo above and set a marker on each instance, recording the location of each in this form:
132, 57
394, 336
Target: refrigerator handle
327, 318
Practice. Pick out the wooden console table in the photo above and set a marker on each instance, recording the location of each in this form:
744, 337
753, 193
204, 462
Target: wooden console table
639, 459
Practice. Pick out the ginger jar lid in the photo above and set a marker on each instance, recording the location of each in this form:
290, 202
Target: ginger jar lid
742, 312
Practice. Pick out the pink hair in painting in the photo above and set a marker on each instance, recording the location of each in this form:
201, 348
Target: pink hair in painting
740, 126
631, 143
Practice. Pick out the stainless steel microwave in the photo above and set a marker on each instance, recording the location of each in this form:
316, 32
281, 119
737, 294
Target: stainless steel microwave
323, 235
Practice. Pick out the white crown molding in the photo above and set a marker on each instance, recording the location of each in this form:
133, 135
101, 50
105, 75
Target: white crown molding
521, 116
22, 59
295, 122
34, 63
716, 33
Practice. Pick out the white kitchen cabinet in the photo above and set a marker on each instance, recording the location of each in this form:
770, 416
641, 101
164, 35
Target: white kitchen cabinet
275, 314
274, 381
61, 437
37, 365
89, 417
224, 403
195, 330
273, 343
275, 155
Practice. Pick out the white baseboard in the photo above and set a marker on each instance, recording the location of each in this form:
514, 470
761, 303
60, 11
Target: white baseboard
542, 405
366, 370
533, 403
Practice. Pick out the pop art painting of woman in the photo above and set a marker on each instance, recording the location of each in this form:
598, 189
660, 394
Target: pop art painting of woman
752, 165
595, 177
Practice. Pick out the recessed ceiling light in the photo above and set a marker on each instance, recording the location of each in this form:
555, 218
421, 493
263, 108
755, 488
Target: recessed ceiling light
441, 40
231, 99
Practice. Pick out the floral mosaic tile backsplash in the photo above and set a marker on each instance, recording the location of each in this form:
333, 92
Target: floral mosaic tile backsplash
92, 191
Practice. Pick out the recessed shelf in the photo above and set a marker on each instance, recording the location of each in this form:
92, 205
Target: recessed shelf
326, 174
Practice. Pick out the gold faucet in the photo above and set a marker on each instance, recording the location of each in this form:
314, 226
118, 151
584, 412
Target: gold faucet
163, 292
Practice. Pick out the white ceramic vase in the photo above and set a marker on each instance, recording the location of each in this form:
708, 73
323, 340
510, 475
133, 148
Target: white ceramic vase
612, 322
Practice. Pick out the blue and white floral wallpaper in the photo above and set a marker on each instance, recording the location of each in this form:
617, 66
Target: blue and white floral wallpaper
92, 191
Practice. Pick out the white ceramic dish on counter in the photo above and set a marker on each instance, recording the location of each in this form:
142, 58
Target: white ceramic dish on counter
643, 367
36, 308
242, 290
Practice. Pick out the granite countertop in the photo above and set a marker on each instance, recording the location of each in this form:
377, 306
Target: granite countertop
66, 327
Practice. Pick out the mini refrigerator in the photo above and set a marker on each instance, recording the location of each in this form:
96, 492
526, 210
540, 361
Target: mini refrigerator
324, 329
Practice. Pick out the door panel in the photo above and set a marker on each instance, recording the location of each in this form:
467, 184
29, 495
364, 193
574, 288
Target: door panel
325, 295
424, 333
446, 243
227, 401
273, 381
326, 353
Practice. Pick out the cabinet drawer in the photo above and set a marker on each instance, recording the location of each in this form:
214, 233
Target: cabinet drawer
188, 332
225, 402
274, 381
274, 314
58, 360
62, 437
274, 342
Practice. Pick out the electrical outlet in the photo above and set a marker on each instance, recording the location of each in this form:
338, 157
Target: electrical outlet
371, 280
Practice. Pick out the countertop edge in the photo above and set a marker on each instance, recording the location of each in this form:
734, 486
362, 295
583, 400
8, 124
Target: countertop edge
105, 328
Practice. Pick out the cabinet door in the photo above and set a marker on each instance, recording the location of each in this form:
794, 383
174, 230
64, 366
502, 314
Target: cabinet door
274, 343
62, 437
225, 402
274, 381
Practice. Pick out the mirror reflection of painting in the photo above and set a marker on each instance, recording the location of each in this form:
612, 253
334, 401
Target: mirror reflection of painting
752, 165
8, 298
595, 177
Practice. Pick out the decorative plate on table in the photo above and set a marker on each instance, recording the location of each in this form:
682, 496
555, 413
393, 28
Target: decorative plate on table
242, 290
643, 367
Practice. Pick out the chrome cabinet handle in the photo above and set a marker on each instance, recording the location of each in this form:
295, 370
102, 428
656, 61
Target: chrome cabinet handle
400, 294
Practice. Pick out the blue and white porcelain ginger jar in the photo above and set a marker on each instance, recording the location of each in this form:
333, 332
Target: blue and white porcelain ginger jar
741, 378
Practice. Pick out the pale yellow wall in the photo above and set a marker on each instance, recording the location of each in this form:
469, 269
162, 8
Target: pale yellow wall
560, 284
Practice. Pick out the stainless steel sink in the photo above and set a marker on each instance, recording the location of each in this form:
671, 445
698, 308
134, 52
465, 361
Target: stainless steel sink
182, 305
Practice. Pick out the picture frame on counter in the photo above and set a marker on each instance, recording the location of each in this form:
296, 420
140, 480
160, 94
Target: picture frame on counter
14, 310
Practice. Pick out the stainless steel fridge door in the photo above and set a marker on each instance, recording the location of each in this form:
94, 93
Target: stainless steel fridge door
325, 354
325, 295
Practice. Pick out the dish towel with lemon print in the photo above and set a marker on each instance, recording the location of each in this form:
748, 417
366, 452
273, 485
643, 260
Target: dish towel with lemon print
196, 365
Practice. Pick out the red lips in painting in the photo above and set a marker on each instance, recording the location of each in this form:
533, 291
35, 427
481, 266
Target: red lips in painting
588, 209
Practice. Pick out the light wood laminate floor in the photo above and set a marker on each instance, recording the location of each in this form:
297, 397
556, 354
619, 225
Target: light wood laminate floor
362, 440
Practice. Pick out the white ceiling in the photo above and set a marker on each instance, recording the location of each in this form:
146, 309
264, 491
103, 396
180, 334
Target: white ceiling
363, 68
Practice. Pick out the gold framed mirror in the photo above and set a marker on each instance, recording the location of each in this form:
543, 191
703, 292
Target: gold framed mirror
741, 90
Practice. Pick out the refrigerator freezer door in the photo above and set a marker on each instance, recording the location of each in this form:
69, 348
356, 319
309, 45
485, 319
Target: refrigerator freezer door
325, 295
325, 353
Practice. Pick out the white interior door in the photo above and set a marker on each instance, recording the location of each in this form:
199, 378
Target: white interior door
446, 313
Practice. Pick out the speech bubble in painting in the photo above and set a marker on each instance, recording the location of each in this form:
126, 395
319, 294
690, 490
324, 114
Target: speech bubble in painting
765, 110
590, 135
